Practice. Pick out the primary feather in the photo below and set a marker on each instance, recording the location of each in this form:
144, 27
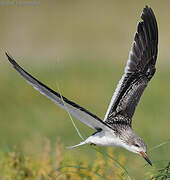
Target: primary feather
76, 110
139, 70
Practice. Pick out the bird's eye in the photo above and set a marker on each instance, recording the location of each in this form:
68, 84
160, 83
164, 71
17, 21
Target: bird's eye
136, 145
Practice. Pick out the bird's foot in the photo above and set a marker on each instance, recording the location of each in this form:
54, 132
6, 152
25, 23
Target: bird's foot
92, 144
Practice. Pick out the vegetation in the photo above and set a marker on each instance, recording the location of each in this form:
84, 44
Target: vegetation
47, 165
52, 166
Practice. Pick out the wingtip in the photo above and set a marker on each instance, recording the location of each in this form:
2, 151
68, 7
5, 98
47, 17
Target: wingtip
149, 18
6, 53
146, 8
147, 11
10, 58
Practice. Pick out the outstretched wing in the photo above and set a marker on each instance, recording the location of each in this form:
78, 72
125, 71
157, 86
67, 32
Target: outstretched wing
139, 70
79, 112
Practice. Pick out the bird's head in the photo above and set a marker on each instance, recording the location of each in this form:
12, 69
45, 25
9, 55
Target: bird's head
138, 146
135, 144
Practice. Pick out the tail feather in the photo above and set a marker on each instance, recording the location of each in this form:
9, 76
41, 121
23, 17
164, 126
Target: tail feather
81, 143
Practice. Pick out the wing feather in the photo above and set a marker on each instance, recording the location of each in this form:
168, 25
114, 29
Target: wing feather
79, 112
139, 70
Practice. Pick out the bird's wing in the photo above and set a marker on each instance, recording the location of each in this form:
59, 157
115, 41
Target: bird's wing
79, 112
139, 70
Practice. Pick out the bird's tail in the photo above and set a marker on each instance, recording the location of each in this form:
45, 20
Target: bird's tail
81, 143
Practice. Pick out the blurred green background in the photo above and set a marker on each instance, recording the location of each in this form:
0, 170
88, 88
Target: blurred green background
82, 46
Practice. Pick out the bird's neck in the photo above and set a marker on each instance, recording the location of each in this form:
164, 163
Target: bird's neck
125, 133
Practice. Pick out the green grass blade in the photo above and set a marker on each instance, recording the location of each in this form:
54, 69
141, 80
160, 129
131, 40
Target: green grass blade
159, 145
73, 122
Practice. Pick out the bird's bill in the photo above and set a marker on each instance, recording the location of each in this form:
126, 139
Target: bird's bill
145, 156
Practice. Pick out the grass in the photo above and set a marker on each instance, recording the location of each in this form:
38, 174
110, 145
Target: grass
56, 165
52, 165
27, 118
163, 173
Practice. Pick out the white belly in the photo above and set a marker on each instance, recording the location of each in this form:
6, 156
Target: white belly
104, 139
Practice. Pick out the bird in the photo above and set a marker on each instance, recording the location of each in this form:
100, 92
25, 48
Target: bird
116, 128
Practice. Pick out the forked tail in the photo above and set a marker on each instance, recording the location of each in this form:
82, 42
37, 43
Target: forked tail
81, 143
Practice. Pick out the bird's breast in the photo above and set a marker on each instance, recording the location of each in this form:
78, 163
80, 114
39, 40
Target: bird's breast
104, 139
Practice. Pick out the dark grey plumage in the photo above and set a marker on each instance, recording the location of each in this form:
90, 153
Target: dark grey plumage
138, 72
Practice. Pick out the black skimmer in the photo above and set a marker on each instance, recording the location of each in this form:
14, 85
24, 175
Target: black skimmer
116, 128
